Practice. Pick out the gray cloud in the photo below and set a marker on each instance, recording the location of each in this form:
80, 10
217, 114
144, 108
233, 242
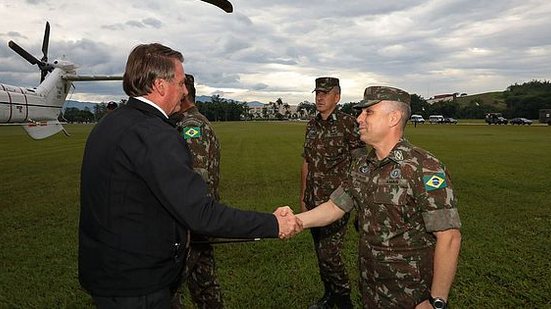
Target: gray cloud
13, 35
135, 23
146, 22
259, 86
153, 22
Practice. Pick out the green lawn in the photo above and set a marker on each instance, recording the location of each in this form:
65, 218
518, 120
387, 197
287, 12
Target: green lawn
501, 175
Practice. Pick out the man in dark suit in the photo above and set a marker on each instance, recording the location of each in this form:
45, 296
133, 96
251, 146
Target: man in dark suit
140, 196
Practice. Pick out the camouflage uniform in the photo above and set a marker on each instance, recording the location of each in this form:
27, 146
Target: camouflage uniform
200, 268
327, 150
400, 201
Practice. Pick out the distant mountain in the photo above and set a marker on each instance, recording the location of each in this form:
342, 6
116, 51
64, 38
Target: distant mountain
255, 104
78, 104
202, 98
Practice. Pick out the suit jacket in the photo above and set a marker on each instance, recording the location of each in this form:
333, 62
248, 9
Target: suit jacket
139, 196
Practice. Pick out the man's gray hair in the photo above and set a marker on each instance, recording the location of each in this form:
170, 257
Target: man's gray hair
404, 109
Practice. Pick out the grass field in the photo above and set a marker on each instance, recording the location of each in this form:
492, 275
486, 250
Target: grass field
501, 175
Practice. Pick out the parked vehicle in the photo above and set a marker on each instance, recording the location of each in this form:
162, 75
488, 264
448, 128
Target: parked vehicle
495, 118
436, 119
417, 119
449, 120
520, 121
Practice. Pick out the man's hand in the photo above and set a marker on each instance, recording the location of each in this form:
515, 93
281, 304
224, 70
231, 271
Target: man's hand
289, 224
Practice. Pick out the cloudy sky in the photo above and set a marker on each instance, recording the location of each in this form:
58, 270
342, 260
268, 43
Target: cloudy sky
270, 49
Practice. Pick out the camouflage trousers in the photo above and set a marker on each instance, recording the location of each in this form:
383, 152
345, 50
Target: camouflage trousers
377, 295
396, 279
329, 243
201, 278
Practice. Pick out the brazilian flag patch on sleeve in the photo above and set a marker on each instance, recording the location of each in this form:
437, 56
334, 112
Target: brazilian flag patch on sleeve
191, 132
435, 182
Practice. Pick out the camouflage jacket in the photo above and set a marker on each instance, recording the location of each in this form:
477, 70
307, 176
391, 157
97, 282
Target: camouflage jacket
328, 150
400, 200
204, 146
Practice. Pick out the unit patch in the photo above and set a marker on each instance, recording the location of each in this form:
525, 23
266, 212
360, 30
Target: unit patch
396, 173
435, 182
191, 132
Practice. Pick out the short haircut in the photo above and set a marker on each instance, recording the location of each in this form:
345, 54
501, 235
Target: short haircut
337, 88
190, 85
404, 109
145, 64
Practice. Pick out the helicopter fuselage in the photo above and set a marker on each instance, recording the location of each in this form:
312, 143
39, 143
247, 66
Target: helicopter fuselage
30, 105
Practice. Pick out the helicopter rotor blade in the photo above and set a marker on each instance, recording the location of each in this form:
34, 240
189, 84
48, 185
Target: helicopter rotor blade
45, 43
223, 4
23, 53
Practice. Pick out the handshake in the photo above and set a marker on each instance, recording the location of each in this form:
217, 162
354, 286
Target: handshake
289, 224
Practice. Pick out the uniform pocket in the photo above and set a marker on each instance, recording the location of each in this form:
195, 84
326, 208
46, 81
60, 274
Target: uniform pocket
389, 214
393, 194
396, 265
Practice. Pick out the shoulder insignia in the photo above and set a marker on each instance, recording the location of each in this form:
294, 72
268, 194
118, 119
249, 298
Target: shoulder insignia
435, 182
191, 132
398, 155
190, 121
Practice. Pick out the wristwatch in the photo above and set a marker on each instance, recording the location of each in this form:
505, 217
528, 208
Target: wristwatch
437, 302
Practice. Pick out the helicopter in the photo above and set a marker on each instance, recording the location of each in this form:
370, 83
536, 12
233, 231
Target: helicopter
37, 109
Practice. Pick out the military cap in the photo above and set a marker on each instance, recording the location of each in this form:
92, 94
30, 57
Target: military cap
190, 85
190, 80
376, 94
111, 105
326, 83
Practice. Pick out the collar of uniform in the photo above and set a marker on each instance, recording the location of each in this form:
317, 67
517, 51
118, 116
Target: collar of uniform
372, 157
398, 151
332, 117
396, 155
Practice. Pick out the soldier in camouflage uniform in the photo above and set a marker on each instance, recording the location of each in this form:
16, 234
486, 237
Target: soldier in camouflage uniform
203, 144
330, 139
409, 224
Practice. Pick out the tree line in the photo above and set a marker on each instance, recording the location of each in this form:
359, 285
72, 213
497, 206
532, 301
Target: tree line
220, 109
521, 100
86, 115
525, 100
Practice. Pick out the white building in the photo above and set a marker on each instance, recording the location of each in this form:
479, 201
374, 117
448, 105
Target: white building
448, 97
